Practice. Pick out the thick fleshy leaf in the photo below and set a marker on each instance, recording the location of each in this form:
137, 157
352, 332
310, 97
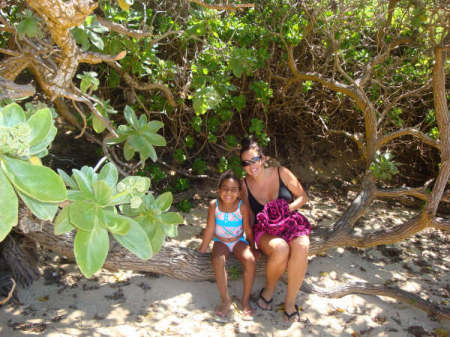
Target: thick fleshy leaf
164, 201
170, 230
83, 184
11, 115
171, 218
40, 149
136, 241
40, 123
62, 222
155, 139
91, 249
75, 195
131, 117
98, 124
158, 238
38, 182
154, 126
140, 144
10, 206
42, 210
83, 214
109, 174
67, 179
102, 192
116, 223
128, 151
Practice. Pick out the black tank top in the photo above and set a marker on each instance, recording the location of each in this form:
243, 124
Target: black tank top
283, 193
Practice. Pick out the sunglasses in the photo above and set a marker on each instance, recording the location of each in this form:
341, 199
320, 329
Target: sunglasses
249, 162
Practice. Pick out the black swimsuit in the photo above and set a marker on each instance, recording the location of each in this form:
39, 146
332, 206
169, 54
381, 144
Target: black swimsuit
283, 193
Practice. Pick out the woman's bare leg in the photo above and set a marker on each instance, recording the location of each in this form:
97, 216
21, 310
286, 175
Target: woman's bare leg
220, 253
296, 268
277, 251
243, 252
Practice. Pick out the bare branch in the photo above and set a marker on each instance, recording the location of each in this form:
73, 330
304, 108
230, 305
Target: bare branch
9, 89
397, 99
135, 33
94, 58
143, 86
410, 132
418, 192
13, 287
231, 7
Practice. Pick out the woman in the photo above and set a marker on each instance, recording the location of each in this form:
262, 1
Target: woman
261, 185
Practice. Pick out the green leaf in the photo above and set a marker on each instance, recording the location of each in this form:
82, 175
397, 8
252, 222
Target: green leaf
98, 124
171, 230
83, 183
11, 115
40, 123
40, 149
164, 201
38, 182
102, 192
81, 37
29, 27
83, 214
109, 174
154, 126
116, 223
96, 40
67, 179
136, 241
62, 222
10, 206
128, 151
91, 249
131, 117
43, 210
171, 218
155, 139
158, 238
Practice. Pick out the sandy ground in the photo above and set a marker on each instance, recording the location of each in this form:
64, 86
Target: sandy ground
63, 303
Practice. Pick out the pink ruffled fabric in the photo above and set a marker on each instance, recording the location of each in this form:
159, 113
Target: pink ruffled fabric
276, 219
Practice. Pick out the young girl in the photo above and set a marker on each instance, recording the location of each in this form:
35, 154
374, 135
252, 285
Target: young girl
228, 220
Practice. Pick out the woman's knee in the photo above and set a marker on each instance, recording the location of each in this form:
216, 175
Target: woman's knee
300, 245
279, 250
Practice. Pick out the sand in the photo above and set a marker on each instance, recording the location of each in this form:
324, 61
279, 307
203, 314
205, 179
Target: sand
63, 303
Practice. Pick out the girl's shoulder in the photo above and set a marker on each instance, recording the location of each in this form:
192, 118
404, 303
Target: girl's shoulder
213, 203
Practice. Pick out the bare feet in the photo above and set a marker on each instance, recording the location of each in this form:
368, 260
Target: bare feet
223, 308
247, 311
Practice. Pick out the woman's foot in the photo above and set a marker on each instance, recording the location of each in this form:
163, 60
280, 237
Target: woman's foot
223, 308
291, 316
262, 302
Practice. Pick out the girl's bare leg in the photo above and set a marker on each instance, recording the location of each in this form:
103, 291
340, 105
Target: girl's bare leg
277, 252
243, 252
220, 253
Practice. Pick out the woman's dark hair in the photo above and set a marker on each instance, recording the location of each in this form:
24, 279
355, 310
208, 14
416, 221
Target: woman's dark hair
249, 143
228, 174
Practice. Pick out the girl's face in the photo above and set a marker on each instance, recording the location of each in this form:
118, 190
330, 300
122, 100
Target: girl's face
229, 191
252, 162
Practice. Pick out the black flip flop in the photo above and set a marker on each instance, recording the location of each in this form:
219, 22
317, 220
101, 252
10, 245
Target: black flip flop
292, 314
267, 302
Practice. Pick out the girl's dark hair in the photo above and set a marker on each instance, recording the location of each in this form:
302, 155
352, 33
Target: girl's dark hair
249, 143
229, 174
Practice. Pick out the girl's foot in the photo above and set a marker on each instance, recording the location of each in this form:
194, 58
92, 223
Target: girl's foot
223, 308
247, 311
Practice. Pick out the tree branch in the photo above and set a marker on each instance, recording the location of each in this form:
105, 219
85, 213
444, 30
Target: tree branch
418, 192
9, 89
231, 7
408, 131
94, 58
134, 33
143, 86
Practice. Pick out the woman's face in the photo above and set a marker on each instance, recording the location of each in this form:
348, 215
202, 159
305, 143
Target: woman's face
252, 162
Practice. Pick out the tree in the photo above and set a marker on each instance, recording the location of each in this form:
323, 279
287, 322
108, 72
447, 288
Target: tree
379, 64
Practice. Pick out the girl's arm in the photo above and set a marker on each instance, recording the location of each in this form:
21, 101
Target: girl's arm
245, 211
292, 183
210, 228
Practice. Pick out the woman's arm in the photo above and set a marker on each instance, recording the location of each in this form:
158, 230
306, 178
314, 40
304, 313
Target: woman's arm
292, 183
210, 228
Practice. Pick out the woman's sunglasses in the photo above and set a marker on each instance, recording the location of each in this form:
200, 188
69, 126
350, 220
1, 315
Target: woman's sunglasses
250, 161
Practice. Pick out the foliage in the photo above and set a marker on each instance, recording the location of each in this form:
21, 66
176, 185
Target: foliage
25, 136
384, 168
125, 209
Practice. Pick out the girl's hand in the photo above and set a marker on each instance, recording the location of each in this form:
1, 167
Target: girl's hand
202, 249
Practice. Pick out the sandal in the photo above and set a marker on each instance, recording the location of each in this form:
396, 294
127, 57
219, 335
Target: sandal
268, 303
292, 314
